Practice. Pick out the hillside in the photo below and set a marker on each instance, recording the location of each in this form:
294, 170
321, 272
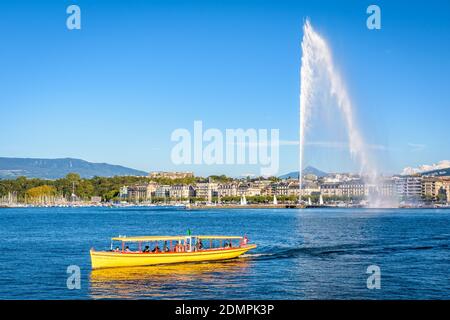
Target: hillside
307, 170
437, 172
11, 168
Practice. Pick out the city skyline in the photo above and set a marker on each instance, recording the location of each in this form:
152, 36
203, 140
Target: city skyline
40, 168
115, 90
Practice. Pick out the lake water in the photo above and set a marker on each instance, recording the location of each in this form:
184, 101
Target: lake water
301, 254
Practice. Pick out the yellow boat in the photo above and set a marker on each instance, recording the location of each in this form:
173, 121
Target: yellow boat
176, 249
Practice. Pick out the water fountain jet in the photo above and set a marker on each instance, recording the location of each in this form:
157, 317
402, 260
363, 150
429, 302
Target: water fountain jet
317, 62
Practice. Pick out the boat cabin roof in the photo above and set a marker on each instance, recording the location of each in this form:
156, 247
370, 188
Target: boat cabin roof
166, 238
220, 237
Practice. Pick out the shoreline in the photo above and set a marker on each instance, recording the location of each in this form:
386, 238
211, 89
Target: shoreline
247, 206
206, 207
219, 207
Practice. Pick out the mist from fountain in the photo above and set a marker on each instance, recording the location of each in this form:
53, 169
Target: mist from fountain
317, 64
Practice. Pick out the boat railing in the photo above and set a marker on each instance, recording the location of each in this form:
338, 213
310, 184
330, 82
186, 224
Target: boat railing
182, 251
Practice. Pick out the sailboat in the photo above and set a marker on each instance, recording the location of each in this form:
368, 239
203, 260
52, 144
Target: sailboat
209, 196
243, 201
275, 201
309, 201
321, 200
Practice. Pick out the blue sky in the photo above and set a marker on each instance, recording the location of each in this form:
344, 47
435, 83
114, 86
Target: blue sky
137, 70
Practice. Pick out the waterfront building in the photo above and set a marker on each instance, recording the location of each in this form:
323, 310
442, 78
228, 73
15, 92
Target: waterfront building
280, 188
141, 192
162, 191
242, 189
433, 187
261, 184
430, 187
206, 190
170, 175
181, 192
353, 189
310, 187
409, 188
293, 189
266, 190
445, 187
248, 189
227, 189
330, 189
386, 187
253, 191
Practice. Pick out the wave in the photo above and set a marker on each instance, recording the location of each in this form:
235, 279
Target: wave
330, 252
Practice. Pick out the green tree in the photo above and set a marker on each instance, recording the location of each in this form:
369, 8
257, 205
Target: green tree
39, 193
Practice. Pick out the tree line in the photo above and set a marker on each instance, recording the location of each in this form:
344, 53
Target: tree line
108, 188
84, 188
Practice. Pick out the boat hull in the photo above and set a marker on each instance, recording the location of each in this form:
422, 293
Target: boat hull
106, 259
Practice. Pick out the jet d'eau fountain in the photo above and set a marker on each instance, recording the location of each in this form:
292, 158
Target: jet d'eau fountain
316, 65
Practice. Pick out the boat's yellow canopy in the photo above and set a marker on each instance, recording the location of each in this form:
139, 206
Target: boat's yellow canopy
147, 238
167, 238
219, 237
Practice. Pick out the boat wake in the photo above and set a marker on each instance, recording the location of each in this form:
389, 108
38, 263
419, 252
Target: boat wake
331, 252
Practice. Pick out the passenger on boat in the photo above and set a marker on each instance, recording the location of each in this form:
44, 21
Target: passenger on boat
199, 244
127, 249
165, 247
156, 249
117, 249
146, 249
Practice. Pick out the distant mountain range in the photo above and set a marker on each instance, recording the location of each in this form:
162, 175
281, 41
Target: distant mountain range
428, 169
307, 170
437, 172
11, 168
